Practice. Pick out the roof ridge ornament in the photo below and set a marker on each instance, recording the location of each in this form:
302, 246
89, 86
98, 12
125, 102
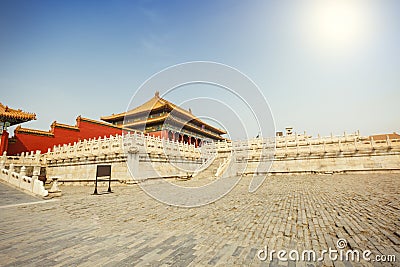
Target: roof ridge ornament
157, 94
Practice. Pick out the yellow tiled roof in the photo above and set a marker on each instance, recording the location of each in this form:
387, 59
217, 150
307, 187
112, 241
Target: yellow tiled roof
155, 103
18, 115
19, 129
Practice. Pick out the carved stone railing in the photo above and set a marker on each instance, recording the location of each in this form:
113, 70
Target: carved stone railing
20, 180
339, 147
25, 159
309, 147
119, 145
87, 148
115, 149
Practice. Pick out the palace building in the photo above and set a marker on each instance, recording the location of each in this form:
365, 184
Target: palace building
157, 117
10, 117
161, 118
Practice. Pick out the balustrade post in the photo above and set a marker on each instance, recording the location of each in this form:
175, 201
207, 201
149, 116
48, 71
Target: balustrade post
35, 177
22, 158
22, 173
355, 143
37, 157
388, 143
36, 169
3, 160
10, 170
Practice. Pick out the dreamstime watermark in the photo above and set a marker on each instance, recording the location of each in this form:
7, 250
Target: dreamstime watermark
340, 253
224, 97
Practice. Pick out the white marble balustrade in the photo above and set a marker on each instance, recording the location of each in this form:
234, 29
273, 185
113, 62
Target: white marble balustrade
20, 180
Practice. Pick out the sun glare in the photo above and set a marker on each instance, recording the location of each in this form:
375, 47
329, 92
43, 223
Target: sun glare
339, 25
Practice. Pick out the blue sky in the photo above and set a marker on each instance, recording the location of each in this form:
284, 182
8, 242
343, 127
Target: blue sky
322, 68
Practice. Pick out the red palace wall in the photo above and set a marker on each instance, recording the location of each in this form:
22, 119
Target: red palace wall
26, 140
158, 134
3, 142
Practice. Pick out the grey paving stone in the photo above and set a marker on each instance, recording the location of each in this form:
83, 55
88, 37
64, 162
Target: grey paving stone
129, 228
9, 195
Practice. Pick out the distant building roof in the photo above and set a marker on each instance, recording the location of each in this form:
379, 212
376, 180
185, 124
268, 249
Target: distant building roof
385, 136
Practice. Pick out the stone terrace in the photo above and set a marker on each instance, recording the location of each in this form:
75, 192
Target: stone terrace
128, 228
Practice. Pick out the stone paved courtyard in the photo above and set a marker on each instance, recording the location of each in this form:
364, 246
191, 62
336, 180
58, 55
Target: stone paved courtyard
128, 228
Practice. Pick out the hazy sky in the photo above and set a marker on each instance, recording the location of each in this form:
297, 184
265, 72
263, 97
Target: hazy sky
323, 66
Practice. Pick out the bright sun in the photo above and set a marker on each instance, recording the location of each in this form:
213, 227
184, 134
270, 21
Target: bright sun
336, 25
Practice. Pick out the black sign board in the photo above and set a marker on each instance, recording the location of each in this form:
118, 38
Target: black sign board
104, 172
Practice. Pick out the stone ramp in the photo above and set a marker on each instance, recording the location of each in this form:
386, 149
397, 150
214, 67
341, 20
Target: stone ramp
12, 196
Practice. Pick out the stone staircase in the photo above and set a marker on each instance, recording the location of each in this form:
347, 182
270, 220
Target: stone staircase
211, 170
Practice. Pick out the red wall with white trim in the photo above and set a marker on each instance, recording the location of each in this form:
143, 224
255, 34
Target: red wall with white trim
26, 142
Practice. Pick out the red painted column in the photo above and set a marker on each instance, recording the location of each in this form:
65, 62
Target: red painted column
4, 142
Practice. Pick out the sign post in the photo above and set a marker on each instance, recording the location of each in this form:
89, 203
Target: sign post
103, 171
